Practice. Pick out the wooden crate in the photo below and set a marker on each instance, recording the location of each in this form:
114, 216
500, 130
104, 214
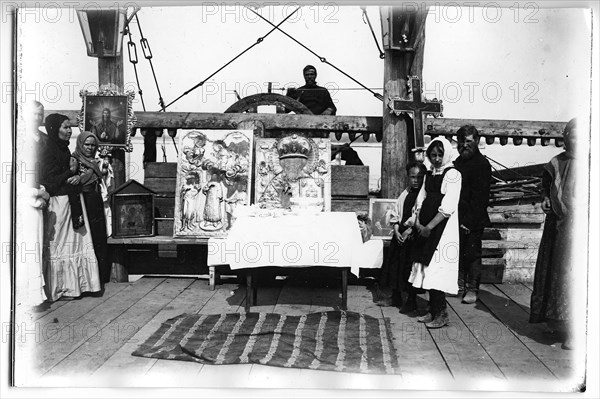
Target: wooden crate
161, 177
349, 181
358, 205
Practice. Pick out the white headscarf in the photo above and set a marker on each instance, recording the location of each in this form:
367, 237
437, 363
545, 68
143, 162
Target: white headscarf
446, 159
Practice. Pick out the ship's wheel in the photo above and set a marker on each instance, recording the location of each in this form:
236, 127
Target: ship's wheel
251, 103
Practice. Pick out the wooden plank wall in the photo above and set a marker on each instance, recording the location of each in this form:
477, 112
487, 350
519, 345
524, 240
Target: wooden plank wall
511, 244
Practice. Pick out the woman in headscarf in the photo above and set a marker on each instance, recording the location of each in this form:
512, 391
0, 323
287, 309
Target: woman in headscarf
551, 296
91, 182
436, 249
33, 200
71, 267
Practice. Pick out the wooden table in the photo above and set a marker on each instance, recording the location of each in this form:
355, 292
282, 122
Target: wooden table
327, 239
251, 288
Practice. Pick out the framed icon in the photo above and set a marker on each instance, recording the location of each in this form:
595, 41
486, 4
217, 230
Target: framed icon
380, 212
109, 115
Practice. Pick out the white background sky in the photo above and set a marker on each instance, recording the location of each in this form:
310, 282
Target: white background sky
540, 55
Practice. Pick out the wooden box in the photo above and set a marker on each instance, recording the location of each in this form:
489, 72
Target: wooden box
161, 177
132, 210
349, 181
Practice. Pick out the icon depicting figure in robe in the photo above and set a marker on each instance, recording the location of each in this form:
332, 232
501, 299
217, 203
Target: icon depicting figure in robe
189, 198
213, 215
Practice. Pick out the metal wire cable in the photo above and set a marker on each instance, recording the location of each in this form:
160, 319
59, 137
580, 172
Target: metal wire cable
366, 17
258, 41
134, 60
148, 56
322, 59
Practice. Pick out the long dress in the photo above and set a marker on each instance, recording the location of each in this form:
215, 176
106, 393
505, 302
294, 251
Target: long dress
70, 265
94, 209
396, 269
212, 207
30, 277
435, 258
550, 298
72, 268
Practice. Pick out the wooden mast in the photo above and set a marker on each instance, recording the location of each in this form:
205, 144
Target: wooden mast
110, 77
402, 58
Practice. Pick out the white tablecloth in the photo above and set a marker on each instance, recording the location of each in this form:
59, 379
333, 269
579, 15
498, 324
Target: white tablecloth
326, 239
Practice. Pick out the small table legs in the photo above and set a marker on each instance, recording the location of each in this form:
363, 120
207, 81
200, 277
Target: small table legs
251, 289
344, 288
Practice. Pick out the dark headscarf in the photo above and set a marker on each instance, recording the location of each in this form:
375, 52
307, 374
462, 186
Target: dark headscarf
79, 154
53, 123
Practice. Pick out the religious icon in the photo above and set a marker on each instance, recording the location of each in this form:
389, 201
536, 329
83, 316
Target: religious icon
109, 116
291, 170
213, 177
380, 213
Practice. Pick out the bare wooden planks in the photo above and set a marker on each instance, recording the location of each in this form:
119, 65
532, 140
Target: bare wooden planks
66, 337
112, 336
512, 357
467, 360
558, 361
490, 341
193, 298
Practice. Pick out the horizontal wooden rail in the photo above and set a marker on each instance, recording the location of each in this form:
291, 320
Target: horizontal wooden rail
516, 130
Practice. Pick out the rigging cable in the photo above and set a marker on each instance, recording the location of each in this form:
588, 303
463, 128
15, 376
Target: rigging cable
148, 56
258, 41
134, 60
365, 16
322, 59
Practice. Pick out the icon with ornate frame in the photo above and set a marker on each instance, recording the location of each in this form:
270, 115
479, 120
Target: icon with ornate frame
109, 115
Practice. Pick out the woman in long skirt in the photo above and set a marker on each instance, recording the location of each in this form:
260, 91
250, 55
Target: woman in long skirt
32, 202
551, 299
70, 266
91, 182
435, 262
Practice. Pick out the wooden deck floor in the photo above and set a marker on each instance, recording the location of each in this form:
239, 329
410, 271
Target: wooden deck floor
488, 346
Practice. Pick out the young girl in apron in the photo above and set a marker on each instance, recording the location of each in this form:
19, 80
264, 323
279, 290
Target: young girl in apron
436, 251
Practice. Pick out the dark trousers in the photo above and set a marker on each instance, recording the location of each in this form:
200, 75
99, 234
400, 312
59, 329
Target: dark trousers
469, 266
95, 212
437, 302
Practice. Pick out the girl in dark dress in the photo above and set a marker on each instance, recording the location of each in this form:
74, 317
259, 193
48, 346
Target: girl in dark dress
397, 267
90, 180
435, 256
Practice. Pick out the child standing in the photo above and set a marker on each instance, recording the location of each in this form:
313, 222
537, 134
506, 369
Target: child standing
436, 251
396, 270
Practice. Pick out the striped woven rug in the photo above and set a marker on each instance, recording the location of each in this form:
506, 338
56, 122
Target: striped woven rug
334, 340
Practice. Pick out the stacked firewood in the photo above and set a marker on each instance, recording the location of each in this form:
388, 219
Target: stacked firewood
524, 188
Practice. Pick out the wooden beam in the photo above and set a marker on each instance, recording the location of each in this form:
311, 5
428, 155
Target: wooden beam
321, 123
204, 120
498, 128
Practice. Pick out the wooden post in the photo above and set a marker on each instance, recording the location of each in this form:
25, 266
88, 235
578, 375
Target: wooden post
394, 155
110, 76
405, 59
